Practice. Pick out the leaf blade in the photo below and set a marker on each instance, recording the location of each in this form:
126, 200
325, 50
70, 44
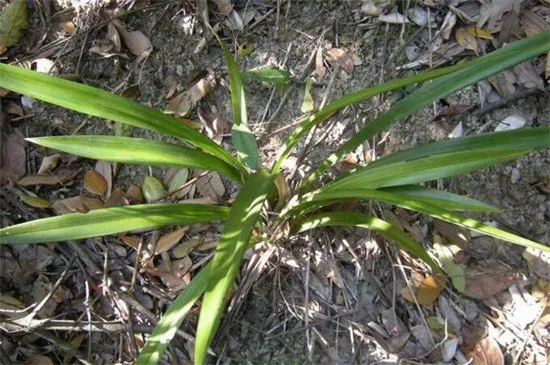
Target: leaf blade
137, 151
102, 222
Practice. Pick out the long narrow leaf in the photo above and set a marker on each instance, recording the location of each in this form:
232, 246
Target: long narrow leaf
354, 98
137, 151
171, 320
243, 139
416, 204
442, 199
380, 226
423, 169
99, 103
478, 70
229, 253
102, 222
529, 138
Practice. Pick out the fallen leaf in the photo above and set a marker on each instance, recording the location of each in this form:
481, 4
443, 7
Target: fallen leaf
320, 68
134, 195
532, 23
448, 24
68, 27
528, 76
538, 262
35, 202
13, 108
479, 33
184, 248
105, 169
12, 23
466, 40
135, 41
38, 360
491, 12
131, 241
504, 82
393, 18
114, 37
211, 186
456, 272
483, 283
49, 163
180, 105
456, 235
31, 180
13, 157
307, 104
175, 278
152, 189
373, 8
41, 287
95, 183
234, 21
199, 90
395, 328
45, 66
169, 240
117, 199
179, 179
35, 258
9, 303
224, 7
427, 292
482, 349
342, 57
418, 16
75, 342
511, 122
80, 204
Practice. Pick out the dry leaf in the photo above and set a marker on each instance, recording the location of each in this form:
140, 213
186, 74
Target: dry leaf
393, 18
180, 105
31, 180
135, 41
134, 195
419, 16
105, 169
35, 202
13, 21
528, 76
504, 82
456, 235
307, 104
466, 40
320, 68
116, 199
482, 283
95, 183
68, 27
13, 157
199, 90
38, 360
77, 204
152, 189
183, 249
532, 23
372, 8
41, 287
234, 21
482, 349
211, 186
13, 108
175, 278
511, 122
427, 292
131, 241
448, 24
114, 37
538, 262
169, 240
49, 163
342, 57
479, 33
9, 303
491, 12
224, 7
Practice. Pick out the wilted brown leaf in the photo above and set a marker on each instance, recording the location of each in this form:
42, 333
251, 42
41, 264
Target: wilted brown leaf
116, 199
453, 234
199, 90
131, 241
183, 249
180, 105
175, 278
41, 287
35, 202
448, 24
95, 183
169, 240
49, 163
35, 179
13, 157
224, 7
482, 349
38, 360
538, 262
211, 186
114, 37
466, 40
81, 204
105, 169
342, 57
320, 68
9, 303
482, 283
427, 292
134, 195
13, 108
136, 41
479, 33
393, 18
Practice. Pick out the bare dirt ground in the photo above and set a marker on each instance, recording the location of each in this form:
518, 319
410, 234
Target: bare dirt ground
332, 297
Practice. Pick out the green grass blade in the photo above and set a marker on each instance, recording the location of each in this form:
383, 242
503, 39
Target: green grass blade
354, 98
137, 151
443, 199
243, 139
268, 75
423, 169
102, 222
416, 204
229, 253
171, 320
380, 226
478, 70
529, 138
100, 103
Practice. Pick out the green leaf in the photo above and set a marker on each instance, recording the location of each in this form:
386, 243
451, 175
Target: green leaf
268, 75
229, 253
442, 199
137, 151
307, 104
245, 144
457, 272
99, 103
411, 203
477, 70
171, 320
423, 169
153, 190
12, 23
103, 222
380, 226
354, 98
529, 138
